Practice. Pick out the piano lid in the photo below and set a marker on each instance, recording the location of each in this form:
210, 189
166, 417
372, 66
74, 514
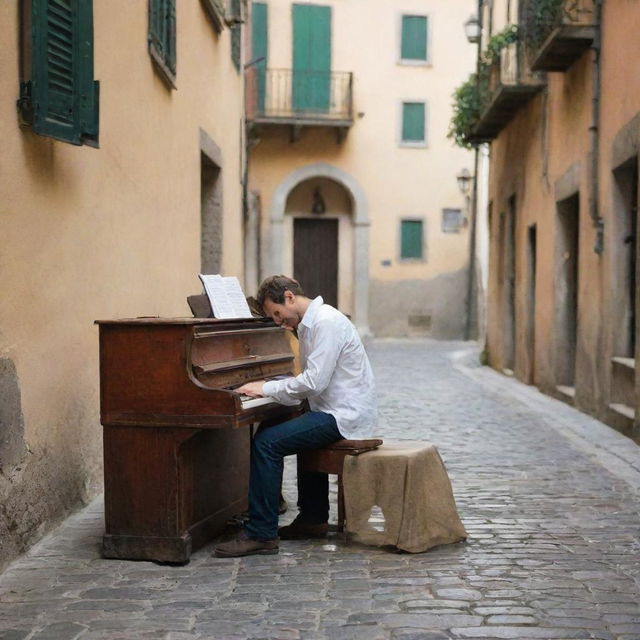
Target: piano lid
151, 320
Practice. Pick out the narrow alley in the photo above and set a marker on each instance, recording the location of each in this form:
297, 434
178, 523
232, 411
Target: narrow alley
550, 499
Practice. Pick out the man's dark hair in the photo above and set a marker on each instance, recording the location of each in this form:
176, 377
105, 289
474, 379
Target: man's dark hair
274, 288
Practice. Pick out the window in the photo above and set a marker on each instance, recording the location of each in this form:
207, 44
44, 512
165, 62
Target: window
414, 39
452, 220
162, 38
411, 240
413, 124
58, 96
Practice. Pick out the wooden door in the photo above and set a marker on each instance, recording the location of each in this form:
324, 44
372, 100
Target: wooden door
315, 257
311, 58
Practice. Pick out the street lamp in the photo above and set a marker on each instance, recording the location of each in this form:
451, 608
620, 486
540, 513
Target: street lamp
464, 179
472, 29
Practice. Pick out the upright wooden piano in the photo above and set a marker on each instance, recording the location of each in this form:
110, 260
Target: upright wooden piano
176, 435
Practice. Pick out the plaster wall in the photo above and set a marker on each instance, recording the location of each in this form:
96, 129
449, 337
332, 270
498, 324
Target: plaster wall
542, 157
399, 182
100, 233
537, 136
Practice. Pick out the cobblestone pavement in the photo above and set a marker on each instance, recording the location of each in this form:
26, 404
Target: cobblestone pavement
549, 497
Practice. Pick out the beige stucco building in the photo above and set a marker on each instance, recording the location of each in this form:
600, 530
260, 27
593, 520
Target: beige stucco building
564, 124
87, 233
352, 179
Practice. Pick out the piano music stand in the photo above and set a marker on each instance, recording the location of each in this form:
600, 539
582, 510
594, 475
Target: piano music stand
200, 306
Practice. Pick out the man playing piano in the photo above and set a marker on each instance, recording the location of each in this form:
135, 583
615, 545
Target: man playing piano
338, 383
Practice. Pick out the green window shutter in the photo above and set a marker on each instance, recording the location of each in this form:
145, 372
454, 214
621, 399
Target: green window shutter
236, 46
217, 13
260, 49
89, 89
411, 239
311, 57
236, 34
171, 35
414, 38
413, 118
157, 13
60, 99
162, 37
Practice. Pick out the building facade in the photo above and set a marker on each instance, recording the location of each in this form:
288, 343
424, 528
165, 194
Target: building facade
121, 174
562, 110
352, 179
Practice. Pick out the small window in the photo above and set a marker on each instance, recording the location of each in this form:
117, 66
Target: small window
411, 240
452, 220
58, 96
414, 39
413, 123
162, 38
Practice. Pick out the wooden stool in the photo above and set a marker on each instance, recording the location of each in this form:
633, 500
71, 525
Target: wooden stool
331, 460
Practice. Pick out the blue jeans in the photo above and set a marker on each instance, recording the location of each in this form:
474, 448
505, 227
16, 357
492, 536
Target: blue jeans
312, 430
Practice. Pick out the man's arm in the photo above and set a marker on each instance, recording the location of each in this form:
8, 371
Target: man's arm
324, 350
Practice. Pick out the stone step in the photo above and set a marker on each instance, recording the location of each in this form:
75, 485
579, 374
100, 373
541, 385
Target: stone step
623, 410
566, 390
628, 363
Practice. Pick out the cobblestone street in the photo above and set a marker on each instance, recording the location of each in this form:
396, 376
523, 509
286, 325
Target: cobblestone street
550, 499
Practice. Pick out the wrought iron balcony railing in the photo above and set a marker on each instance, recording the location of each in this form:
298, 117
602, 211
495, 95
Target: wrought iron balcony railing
299, 97
504, 87
557, 32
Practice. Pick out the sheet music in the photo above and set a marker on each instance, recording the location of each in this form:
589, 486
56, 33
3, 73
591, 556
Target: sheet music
236, 297
226, 296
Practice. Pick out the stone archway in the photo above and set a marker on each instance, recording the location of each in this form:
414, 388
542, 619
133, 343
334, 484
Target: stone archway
273, 257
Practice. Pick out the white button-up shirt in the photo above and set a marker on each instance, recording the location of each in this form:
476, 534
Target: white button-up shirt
336, 375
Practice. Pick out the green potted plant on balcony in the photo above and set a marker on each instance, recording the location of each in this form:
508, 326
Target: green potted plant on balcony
467, 106
540, 18
471, 97
498, 42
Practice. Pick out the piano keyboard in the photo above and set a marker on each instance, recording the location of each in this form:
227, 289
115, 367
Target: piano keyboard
248, 402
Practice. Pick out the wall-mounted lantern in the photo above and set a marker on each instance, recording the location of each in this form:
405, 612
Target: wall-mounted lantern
472, 29
318, 206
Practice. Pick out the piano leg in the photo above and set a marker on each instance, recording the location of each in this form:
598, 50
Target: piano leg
171, 490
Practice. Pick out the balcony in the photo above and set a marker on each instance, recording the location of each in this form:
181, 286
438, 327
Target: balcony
505, 87
299, 98
557, 32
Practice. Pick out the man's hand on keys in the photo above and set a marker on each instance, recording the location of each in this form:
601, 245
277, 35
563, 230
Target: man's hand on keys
253, 389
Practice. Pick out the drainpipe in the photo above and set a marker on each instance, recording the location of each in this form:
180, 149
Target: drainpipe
594, 128
249, 144
471, 272
472, 305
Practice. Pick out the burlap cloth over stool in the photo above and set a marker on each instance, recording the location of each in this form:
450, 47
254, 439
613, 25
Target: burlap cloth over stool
409, 482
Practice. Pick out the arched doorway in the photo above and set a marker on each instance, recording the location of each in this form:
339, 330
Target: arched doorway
318, 230
345, 204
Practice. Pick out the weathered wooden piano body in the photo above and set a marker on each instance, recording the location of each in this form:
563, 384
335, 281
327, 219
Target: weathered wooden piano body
176, 436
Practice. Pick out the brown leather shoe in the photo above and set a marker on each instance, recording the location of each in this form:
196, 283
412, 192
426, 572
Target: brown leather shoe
299, 530
243, 545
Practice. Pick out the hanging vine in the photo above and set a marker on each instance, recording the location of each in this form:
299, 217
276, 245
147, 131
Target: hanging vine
470, 98
498, 42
